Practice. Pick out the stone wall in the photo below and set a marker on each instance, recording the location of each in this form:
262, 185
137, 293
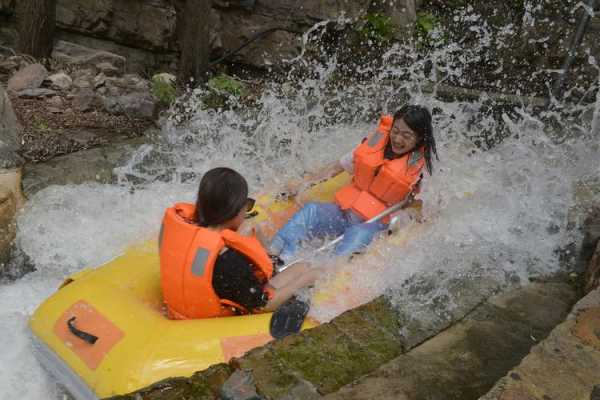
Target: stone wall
146, 31
10, 176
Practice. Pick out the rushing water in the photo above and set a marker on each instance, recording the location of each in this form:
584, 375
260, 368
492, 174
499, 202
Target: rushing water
502, 209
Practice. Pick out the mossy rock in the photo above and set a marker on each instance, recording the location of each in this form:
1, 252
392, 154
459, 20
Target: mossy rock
228, 85
163, 88
202, 385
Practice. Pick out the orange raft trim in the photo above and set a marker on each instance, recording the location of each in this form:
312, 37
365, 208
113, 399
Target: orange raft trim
88, 319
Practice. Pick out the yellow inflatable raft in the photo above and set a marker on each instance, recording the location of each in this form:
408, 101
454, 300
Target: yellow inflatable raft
104, 332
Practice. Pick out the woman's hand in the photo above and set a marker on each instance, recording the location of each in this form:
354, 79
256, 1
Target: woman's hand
294, 187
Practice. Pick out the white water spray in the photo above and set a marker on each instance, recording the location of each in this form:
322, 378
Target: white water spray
502, 210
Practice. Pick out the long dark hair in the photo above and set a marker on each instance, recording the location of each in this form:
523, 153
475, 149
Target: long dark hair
221, 195
418, 119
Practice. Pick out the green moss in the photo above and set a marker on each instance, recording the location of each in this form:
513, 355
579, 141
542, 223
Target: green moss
377, 28
328, 358
273, 378
426, 22
372, 338
202, 385
381, 313
40, 124
226, 84
164, 91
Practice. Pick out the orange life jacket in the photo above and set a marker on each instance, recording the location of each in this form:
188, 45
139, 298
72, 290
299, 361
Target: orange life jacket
188, 254
379, 183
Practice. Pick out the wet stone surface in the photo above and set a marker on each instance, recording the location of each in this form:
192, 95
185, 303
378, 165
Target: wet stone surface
464, 361
565, 366
362, 354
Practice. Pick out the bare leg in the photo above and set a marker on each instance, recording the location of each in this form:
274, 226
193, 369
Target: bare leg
289, 275
288, 282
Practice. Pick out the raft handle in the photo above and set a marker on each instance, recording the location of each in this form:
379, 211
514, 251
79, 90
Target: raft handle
87, 337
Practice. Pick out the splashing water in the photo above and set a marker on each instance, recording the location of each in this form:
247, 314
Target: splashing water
501, 209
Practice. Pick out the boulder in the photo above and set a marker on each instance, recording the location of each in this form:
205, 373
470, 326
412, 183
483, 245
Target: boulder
91, 165
145, 24
9, 134
84, 100
312, 10
592, 274
237, 28
60, 81
9, 65
164, 77
75, 55
36, 93
30, 77
8, 208
107, 69
134, 105
56, 102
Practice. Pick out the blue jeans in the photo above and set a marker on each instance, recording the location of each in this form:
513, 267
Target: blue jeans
318, 220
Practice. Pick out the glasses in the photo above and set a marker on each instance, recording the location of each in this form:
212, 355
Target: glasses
250, 204
404, 134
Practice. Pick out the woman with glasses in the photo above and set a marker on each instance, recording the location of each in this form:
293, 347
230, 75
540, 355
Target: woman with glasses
210, 270
386, 169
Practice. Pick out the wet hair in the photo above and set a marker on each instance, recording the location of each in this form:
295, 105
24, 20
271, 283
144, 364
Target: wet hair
222, 194
418, 119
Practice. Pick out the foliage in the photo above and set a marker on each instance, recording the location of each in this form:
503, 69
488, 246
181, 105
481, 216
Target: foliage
163, 90
226, 84
377, 28
40, 124
426, 22
425, 26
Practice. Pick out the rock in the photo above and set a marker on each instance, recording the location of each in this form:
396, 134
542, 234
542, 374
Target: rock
8, 209
60, 81
584, 215
201, 386
164, 77
145, 24
240, 386
464, 361
127, 84
592, 274
83, 82
564, 366
99, 80
238, 28
302, 390
9, 134
84, 100
76, 55
92, 165
107, 69
9, 65
30, 77
36, 93
56, 101
135, 105
402, 14
11, 199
